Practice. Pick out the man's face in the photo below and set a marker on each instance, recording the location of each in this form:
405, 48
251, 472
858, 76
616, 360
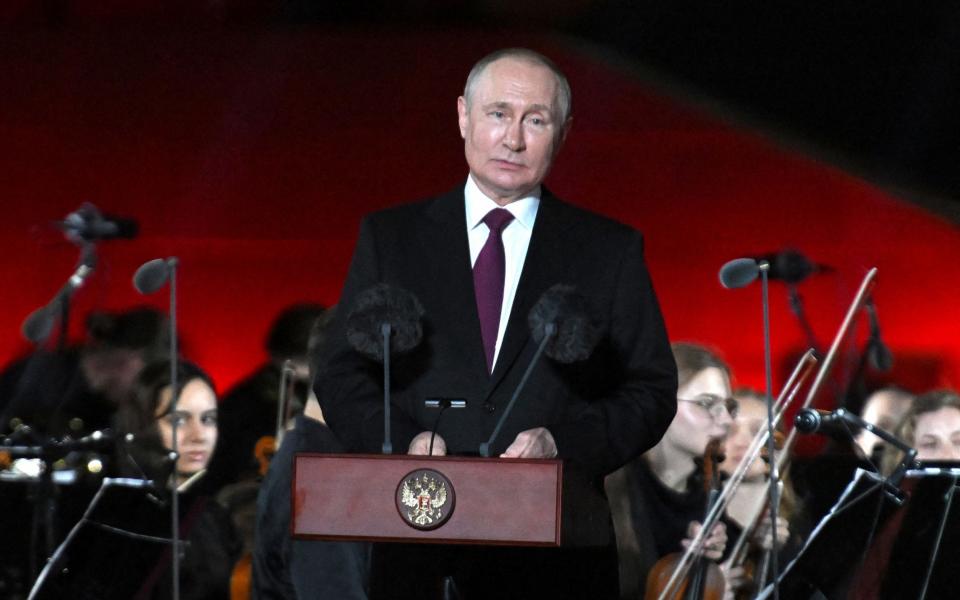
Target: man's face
511, 128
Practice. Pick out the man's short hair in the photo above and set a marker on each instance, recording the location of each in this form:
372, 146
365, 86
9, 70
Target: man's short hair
564, 96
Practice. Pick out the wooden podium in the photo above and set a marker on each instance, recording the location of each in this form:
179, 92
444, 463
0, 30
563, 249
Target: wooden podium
420, 499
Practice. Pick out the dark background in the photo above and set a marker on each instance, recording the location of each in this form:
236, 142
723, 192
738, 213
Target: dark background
249, 137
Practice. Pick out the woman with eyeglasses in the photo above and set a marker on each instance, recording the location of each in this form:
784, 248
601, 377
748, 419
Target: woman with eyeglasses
658, 500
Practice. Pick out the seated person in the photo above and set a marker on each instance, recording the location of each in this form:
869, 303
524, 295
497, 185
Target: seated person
77, 390
751, 497
287, 569
658, 500
248, 411
883, 408
212, 545
932, 426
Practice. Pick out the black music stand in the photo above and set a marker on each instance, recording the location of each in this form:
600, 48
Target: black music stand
923, 559
110, 553
832, 555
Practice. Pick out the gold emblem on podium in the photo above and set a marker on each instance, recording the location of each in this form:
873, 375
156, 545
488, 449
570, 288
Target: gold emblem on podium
425, 499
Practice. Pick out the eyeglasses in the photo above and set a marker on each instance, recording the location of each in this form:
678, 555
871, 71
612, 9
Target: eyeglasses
715, 405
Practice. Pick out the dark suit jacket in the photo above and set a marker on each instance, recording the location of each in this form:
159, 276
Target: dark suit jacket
602, 412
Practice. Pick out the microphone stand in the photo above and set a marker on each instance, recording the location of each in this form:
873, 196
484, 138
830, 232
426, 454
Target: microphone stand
549, 331
774, 479
148, 279
175, 396
385, 331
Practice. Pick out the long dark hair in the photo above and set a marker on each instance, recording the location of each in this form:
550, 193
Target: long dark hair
137, 415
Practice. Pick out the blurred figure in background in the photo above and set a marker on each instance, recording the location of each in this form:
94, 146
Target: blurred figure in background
249, 410
287, 569
750, 500
884, 408
77, 390
658, 500
932, 426
212, 545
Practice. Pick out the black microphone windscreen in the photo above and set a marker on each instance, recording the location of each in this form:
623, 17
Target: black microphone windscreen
738, 273
37, 326
120, 228
790, 266
577, 329
151, 276
381, 304
880, 357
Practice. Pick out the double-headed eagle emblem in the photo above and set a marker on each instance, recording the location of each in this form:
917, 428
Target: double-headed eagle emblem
424, 493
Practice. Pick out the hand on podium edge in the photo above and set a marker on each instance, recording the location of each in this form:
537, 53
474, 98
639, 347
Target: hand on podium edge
532, 443
420, 445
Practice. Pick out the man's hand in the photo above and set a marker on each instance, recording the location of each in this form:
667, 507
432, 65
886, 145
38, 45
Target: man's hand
532, 443
715, 542
420, 445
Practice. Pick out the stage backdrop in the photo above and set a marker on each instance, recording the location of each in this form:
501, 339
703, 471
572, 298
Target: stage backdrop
252, 155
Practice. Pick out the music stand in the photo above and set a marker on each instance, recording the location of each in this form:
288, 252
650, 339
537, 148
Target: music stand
112, 549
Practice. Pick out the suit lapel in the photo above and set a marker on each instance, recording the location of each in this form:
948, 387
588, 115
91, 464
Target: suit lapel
445, 244
542, 268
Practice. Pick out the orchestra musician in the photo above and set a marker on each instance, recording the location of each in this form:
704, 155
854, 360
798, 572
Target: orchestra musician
212, 543
658, 500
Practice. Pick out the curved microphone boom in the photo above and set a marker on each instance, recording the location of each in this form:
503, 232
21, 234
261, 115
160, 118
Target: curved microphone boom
565, 329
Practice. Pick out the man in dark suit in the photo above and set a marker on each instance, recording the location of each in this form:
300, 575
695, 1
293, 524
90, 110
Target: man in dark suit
479, 258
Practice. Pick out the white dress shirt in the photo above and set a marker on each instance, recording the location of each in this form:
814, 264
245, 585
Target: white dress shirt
516, 240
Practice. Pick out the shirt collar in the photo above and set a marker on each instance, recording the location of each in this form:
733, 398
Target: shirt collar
478, 204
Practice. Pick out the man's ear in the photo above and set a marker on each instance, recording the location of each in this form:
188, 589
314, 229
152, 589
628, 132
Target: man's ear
562, 135
463, 115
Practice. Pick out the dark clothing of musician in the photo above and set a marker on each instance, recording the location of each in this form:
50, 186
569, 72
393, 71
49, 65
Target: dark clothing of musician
213, 547
650, 520
247, 413
601, 412
48, 392
285, 568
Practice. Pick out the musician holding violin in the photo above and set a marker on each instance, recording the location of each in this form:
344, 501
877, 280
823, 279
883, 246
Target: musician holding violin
747, 516
658, 500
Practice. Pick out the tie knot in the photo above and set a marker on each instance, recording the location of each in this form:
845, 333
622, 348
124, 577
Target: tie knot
497, 219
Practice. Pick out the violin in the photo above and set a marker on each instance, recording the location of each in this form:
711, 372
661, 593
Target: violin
704, 579
263, 451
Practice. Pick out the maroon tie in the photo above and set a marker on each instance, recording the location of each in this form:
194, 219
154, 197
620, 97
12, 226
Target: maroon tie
488, 275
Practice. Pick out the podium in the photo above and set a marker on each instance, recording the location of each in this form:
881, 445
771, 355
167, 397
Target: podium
422, 499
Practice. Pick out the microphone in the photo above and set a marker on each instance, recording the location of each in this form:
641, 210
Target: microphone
813, 420
88, 224
565, 329
738, 273
879, 355
790, 266
149, 278
385, 320
152, 274
577, 332
385, 305
38, 325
